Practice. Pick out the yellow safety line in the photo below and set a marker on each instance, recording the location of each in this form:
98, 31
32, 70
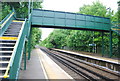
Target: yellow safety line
7, 20
17, 21
8, 38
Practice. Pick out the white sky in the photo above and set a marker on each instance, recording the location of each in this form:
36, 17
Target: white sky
71, 6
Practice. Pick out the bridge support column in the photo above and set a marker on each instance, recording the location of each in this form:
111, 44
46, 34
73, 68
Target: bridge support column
29, 44
110, 43
25, 55
119, 46
102, 43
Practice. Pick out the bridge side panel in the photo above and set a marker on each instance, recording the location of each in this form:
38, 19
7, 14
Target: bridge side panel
68, 20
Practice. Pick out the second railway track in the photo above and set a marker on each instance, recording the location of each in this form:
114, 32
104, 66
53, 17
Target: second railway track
81, 68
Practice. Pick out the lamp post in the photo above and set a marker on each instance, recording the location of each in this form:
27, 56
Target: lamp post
29, 8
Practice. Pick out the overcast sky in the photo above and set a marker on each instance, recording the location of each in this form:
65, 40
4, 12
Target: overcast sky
71, 6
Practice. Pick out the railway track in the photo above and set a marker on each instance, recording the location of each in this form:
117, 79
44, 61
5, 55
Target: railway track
81, 68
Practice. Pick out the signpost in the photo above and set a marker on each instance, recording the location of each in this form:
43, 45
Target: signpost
94, 47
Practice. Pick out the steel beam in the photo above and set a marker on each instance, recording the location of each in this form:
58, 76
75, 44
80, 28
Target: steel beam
29, 7
102, 43
119, 46
110, 43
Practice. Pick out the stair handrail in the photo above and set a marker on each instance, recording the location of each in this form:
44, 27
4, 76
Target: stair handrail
14, 51
4, 21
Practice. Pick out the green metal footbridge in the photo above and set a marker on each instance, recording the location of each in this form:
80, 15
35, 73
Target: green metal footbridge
15, 34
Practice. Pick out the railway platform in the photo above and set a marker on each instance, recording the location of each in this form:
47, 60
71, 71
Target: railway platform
34, 68
41, 66
107, 63
116, 61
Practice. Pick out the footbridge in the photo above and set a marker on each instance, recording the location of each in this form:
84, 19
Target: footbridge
58, 19
15, 34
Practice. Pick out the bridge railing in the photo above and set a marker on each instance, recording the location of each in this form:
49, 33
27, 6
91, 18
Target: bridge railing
116, 27
6, 22
60, 19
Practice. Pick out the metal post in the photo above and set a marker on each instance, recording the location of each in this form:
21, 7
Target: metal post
25, 56
118, 26
102, 43
29, 44
32, 4
93, 42
28, 8
110, 43
0, 11
118, 46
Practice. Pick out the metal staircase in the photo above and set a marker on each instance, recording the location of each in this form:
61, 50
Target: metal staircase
7, 43
14, 34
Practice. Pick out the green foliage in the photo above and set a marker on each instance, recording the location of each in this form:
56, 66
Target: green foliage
6, 9
36, 36
96, 9
80, 40
20, 8
22, 12
56, 39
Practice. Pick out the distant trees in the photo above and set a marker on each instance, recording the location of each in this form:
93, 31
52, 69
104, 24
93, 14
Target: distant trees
80, 40
36, 36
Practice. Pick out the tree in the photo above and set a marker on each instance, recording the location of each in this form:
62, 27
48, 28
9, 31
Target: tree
36, 36
79, 40
98, 9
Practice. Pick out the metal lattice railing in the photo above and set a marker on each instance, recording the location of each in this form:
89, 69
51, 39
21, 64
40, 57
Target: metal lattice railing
116, 27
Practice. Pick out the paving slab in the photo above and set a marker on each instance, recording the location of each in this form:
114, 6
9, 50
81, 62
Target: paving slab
34, 68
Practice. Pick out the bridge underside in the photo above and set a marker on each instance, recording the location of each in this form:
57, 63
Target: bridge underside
67, 20
63, 27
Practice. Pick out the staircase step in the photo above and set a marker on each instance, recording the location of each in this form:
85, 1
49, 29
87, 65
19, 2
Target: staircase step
3, 68
8, 37
10, 34
13, 29
5, 56
16, 33
7, 43
1, 76
1, 62
6, 51
6, 47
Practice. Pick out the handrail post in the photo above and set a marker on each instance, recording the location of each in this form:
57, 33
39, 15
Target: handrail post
14, 12
25, 46
29, 44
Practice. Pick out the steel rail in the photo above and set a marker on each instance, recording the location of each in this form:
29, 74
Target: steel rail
64, 59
